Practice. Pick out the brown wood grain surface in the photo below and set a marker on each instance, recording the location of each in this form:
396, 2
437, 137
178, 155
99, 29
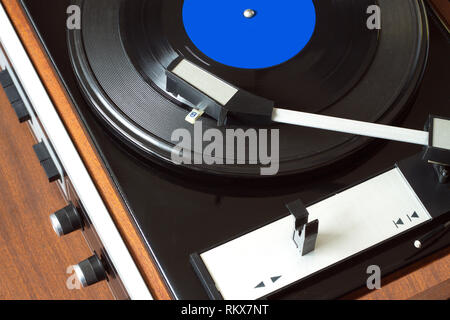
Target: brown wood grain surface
86, 150
442, 7
33, 260
427, 278
424, 279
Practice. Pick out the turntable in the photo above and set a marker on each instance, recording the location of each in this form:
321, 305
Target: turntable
343, 89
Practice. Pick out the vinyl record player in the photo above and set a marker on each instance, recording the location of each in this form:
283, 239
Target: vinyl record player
324, 77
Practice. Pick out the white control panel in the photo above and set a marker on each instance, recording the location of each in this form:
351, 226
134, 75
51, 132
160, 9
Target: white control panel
267, 259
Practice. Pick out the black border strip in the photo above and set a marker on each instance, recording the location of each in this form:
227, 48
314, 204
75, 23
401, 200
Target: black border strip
205, 277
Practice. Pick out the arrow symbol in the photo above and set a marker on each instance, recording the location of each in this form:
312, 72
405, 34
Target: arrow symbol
260, 285
399, 221
415, 215
275, 279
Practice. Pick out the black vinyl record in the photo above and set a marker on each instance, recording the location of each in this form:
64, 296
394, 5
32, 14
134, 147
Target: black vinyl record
123, 49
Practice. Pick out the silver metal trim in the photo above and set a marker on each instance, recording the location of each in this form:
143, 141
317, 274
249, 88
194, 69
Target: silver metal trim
80, 275
70, 159
56, 225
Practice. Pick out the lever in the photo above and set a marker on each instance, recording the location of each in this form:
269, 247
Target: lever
226, 104
305, 233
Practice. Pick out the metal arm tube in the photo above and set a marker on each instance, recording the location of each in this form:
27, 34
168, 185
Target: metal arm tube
350, 126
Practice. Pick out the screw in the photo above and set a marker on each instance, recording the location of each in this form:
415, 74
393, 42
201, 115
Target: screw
249, 13
417, 244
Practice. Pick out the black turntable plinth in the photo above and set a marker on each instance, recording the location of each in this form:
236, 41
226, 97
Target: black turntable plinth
313, 56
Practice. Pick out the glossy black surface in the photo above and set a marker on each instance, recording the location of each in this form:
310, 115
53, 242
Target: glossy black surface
131, 99
179, 214
154, 33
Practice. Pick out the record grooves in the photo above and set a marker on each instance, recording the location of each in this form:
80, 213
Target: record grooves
346, 70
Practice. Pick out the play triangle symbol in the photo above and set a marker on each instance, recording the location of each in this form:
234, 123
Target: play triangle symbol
415, 215
275, 279
400, 221
260, 285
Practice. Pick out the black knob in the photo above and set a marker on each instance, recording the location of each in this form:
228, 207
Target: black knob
90, 271
66, 220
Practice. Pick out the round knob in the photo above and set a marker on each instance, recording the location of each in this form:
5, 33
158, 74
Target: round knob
66, 220
90, 271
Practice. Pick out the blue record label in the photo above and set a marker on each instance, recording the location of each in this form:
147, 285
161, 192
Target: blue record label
250, 34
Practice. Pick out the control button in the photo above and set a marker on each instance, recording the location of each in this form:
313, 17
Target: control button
21, 111
41, 151
14, 97
47, 162
12, 93
90, 271
260, 285
51, 170
66, 220
5, 79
